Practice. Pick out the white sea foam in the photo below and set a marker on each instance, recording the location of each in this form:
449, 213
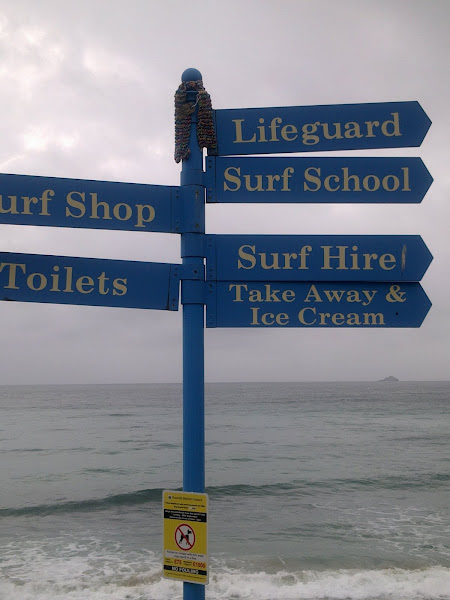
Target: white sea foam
75, 580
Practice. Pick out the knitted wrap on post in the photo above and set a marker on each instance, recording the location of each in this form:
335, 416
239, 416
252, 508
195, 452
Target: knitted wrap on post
206, 135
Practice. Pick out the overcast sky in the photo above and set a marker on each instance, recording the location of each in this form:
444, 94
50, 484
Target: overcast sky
87, 92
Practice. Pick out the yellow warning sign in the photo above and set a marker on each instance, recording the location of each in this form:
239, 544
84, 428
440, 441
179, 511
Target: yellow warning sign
185, 552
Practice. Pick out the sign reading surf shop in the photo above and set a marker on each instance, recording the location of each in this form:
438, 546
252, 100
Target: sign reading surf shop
91, 204
318, 128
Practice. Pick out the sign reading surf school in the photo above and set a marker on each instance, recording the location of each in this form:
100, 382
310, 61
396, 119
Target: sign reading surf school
60, 202
303, 180
323, 127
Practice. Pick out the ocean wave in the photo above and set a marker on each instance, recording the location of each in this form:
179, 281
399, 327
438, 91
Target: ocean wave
298, 488
127, 499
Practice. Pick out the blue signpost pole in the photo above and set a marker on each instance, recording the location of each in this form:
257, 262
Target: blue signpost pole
192, 298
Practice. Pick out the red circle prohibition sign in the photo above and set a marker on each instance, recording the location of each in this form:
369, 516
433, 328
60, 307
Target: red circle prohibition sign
184, 537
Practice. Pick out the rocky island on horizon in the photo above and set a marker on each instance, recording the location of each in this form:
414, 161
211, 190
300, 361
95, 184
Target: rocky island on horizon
389, 378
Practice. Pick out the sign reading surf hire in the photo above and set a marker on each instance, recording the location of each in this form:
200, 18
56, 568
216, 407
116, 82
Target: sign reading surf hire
303, 180
318, 128
185, 553
331, 304
316, 258
59, 202
88, 281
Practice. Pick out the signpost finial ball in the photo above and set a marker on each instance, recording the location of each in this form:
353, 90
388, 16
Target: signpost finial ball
191, 75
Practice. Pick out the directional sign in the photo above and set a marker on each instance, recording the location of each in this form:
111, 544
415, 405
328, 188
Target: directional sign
316, 258
88, 281
58, 202
185, 554
300, 179
317, 128
331, 304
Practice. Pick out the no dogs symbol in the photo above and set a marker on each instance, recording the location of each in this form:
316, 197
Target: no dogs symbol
184, 537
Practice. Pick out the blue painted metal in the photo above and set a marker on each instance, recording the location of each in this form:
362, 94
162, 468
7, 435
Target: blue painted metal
192, 251
60, 202
324, 305
191, 74
317, 128
313, 179
316, 258
88, 281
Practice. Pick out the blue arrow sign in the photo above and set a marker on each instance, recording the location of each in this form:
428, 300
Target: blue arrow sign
331, 304
59, 202
317, 128
88, 281
313, 179
316, 258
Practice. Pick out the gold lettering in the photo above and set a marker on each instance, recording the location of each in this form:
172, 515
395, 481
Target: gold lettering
312, 179
387, 262
395, 183
239, 139
120, 287
327, 256
95, 204
373, 319
370, 126
337, 131
45, 200
262, 136
287, 173
232, 179
274, 264
313, 293
77, 204
55, 280
84, 284
327, 185
301, 316
128, 211
287, 130
237, 288
352, 130
246, 256
27, 202
273, 129
69, 276
395, 129
334, 295
406, 187
42, 282
12, 205
150, 214
368, 261
255, 296
12, 274
347, 179
308, 131
258, 188
366, 183
270, 180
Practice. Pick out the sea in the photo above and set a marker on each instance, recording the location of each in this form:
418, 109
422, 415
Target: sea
317, 491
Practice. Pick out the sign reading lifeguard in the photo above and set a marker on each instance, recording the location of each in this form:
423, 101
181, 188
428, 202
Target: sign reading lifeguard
317, 128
